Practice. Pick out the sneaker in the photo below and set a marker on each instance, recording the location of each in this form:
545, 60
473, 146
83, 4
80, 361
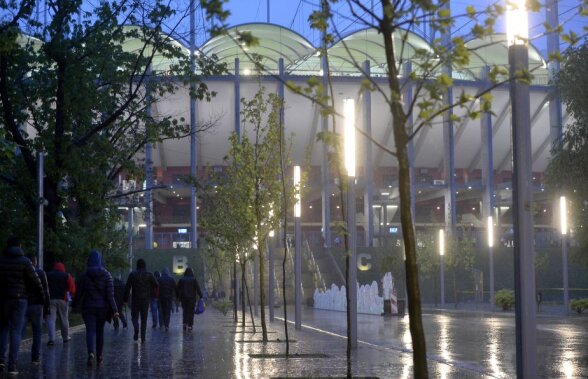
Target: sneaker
167, 329
99, 360
2, 365
189, 328
36, 361
90, 360
66, 340
12, 371
50, 343
136, 336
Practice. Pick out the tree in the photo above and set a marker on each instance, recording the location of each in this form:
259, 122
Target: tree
567, 173
78, 89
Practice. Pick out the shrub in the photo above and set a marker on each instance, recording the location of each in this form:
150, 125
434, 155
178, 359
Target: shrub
579, 305
222, 305
505, 299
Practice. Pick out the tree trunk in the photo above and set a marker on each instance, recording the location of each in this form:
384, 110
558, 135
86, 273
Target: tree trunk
262, 291
401, 140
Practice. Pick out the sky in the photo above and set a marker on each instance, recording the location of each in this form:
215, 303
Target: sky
294, 14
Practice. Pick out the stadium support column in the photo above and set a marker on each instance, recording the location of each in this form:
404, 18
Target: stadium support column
407, 99
148, 176
325, 181
488, 181
449, 147
555, 107
368, 195
193, 146
237, 108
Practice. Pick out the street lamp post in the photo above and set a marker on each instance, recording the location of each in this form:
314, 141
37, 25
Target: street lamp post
442, 263
564, 250
297, 253
491, 260
40, 208
349, 144
524, 258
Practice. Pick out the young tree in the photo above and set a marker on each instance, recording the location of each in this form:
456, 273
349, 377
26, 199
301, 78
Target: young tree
78, 89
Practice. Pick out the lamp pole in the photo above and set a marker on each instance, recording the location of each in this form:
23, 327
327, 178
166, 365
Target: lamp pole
524, 258
40, 208
564, 250
442, 263
297, 253
491, 260
349, 144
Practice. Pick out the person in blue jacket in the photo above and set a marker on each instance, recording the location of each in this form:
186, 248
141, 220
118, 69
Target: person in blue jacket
95, 296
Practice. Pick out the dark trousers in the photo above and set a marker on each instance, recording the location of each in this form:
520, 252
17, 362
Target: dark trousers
35, 316
188, 308
94, 318
154, 312
140, 307
11, 322
165, 306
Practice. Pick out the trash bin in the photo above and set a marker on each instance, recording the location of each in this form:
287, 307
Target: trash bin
401, 305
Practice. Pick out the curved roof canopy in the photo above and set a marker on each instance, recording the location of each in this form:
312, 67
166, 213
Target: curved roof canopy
161, 61
368, 44
493, 51
275, 42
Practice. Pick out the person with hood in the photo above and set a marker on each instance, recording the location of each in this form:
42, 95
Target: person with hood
18, 280
60, 284
119, 297
154, 304
141, 284
167, 286
95, 296
37, 308
186, 290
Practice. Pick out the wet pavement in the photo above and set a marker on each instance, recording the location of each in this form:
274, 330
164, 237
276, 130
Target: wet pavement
460, 346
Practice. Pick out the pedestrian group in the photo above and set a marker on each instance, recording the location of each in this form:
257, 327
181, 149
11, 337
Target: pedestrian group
28, 294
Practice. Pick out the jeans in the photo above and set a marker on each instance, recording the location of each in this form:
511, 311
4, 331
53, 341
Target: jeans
58, 308
11, 322
154, 312
166, 306
188, 308
94, 318
140, 307
34, 314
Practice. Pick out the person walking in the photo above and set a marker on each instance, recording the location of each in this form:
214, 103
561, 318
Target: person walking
37, 309
18, 280
140, 286
61, 284
95, 296
186, 291
119, 298
167, 286
154, 303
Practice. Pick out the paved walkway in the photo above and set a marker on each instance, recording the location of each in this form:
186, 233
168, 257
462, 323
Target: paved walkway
219, 349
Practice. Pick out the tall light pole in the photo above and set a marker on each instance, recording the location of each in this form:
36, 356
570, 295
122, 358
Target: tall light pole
524, 258
40, 208
491, 260
349, 151
297, 252
563, 218
442, 263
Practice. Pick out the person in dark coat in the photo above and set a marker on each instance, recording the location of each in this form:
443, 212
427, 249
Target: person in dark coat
37, 308
18, 280
119, 298
186, 290
167, 286
95, 296
140, 286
